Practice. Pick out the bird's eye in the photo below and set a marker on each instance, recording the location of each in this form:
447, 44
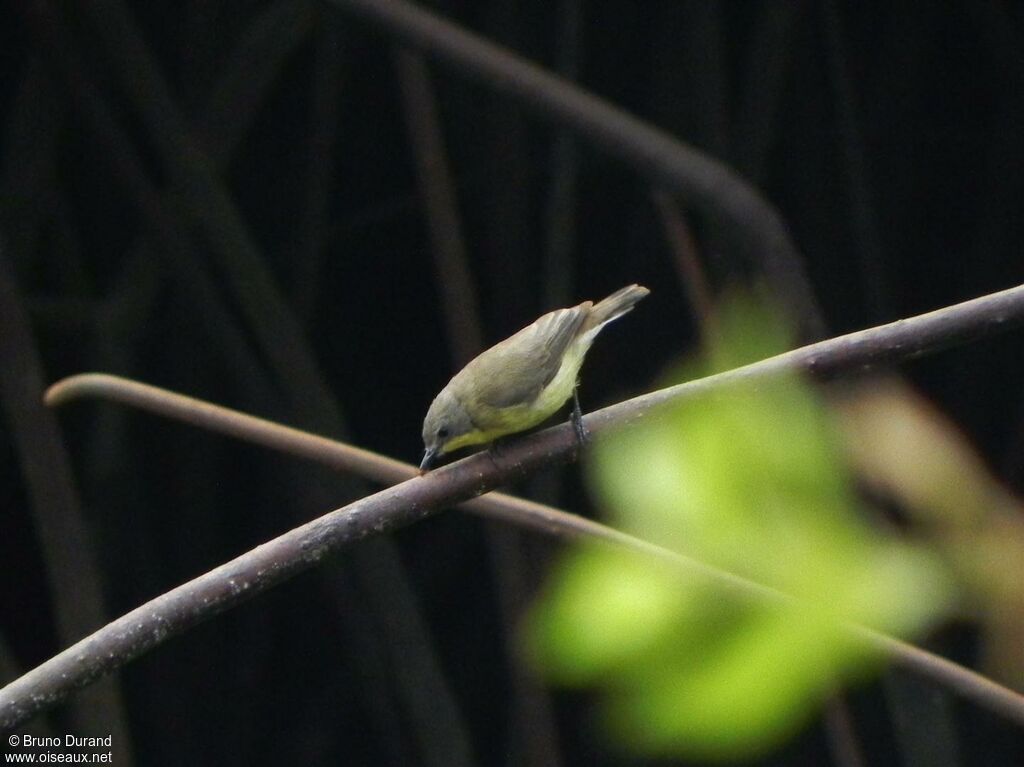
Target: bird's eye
442, 432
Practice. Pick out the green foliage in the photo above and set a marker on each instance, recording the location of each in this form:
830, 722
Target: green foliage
748, 480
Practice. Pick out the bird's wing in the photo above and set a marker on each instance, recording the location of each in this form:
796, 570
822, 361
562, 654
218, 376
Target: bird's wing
515, 371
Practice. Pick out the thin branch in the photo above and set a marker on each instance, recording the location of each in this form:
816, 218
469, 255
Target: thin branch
683, 247
662, 159
438, 197
328, 452
275, 561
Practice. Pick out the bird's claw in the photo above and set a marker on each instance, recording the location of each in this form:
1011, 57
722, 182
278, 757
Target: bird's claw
582, 437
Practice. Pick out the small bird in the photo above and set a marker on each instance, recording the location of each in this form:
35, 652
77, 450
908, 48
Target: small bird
521, 381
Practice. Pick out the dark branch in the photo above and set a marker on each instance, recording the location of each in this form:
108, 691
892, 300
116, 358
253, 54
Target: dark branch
275, 561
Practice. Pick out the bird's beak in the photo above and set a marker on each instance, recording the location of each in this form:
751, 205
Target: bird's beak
429, 458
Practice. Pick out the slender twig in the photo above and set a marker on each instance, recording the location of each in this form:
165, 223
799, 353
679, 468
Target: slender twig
200, 599
652, 152
687, 262
336, 455
438, 197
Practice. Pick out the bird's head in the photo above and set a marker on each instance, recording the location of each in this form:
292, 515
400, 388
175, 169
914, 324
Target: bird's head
445, 428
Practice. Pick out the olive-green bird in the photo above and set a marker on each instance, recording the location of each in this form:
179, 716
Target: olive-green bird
521, 381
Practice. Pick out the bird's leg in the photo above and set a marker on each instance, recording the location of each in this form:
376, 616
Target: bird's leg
577, 417
494, 450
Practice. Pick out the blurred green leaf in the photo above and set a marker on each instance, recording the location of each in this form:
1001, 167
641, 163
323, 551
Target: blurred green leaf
750, 480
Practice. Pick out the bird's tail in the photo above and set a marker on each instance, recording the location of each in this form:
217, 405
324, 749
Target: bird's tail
613, 307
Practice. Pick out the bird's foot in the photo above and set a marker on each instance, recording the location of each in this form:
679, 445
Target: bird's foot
495, 450
582, 437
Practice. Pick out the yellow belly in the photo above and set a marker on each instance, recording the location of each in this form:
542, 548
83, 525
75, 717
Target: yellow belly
499, 422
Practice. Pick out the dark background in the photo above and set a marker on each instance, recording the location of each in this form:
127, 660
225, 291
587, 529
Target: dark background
222, 199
